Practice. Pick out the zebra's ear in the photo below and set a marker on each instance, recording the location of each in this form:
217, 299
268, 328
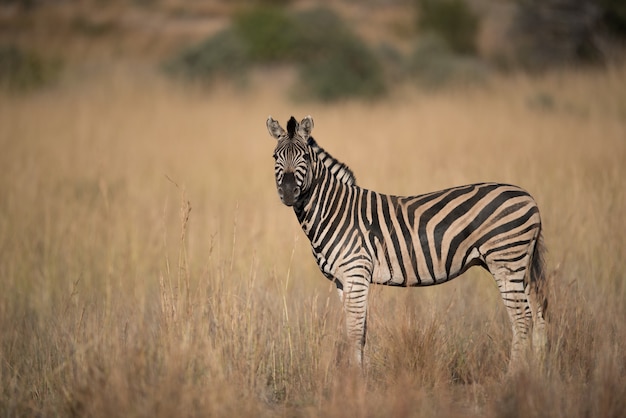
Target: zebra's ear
305, 128
274, 128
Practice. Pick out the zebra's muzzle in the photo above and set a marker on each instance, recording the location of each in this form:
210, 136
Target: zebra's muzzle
288, 190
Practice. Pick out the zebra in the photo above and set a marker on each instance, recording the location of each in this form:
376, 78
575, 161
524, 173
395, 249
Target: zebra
360, 237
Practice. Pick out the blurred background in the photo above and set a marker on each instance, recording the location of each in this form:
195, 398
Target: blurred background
338, 49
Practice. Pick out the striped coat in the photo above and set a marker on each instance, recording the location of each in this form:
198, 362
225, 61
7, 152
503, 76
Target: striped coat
360, 237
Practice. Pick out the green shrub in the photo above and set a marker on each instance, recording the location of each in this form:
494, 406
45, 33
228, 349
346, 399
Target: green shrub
319, 30
393, 61
223, 54
351, 71
433, 65
269, 33
453, 20
333, 61
25, 70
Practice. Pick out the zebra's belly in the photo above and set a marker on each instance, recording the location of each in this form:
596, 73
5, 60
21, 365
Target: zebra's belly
411, 271
392, 273
405, 268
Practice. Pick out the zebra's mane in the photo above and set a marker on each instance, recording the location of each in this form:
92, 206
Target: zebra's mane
336, 167
291, 127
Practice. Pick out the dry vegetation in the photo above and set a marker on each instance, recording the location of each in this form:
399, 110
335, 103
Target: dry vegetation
120, 299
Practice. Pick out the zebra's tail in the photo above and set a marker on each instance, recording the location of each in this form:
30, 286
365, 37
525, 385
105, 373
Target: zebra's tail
538, 299
538, 287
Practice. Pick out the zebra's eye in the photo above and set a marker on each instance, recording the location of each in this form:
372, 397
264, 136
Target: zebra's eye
274, 156
306, 157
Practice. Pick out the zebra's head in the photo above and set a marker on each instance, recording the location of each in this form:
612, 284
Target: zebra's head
292, 156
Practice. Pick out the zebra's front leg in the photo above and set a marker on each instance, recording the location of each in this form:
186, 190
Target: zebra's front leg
355, 293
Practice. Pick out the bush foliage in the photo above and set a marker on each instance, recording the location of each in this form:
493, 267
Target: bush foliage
269, 33
333, 62
22, 70
452, 20
224, 54
433, 64
555, 33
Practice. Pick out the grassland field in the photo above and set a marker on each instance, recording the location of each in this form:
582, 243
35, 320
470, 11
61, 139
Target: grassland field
148, 268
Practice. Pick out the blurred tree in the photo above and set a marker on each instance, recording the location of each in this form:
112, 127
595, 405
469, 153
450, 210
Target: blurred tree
269, 32
333, 61
614, 16
223, 54
452, 20
22, 70
548, 33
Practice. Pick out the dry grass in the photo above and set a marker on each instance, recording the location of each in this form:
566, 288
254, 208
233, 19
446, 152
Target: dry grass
149, 269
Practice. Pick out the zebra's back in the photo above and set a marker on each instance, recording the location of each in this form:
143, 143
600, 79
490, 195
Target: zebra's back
431, 238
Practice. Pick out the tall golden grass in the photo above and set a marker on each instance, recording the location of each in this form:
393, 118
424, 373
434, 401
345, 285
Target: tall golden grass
148, 268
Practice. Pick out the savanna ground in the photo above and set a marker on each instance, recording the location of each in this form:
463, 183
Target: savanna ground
148, 268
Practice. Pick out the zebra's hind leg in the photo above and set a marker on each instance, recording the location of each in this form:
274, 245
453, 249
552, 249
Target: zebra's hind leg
515, 296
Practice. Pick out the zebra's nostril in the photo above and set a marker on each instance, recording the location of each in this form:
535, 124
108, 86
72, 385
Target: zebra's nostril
296, 191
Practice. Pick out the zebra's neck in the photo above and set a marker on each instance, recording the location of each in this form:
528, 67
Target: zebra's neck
336, 168
326, 191
329, 171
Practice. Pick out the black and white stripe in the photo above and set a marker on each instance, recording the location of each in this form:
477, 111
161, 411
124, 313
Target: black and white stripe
361, 237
